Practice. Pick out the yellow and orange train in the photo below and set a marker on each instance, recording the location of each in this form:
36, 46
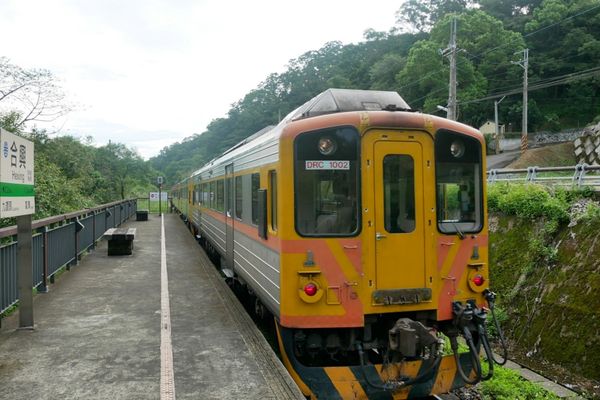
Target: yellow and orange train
361, 226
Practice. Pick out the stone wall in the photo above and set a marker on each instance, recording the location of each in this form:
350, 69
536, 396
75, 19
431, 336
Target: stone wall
587, 147
552, 306
511, 142
542, 138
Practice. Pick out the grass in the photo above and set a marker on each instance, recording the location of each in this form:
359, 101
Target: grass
506, 384
510, 385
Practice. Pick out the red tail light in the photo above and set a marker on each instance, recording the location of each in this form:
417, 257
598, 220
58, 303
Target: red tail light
478, 280
310, 289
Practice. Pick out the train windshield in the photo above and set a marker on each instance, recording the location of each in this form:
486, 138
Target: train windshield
458, 183
326, 182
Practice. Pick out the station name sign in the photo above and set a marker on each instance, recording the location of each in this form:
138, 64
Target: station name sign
154, 196
17, 192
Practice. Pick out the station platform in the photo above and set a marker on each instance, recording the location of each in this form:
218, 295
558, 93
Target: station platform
98, 330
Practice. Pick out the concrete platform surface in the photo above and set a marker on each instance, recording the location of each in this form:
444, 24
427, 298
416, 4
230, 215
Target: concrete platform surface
97, 332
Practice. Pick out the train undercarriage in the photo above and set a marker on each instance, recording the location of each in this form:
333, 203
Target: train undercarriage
399, 356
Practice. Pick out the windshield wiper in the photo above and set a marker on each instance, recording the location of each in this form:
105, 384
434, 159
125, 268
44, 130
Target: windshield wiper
460, 234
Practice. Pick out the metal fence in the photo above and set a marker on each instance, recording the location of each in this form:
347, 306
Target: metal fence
58, 241
581, 175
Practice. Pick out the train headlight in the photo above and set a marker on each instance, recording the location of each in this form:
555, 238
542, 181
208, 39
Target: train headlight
457, 149
327, 146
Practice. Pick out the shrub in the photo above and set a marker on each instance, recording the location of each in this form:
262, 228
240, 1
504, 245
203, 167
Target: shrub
592, 213
528, 201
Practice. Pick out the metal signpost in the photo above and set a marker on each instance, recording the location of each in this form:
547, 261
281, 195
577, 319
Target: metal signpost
17, 199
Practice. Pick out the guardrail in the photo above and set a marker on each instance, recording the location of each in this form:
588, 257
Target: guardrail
58, 241
581, 175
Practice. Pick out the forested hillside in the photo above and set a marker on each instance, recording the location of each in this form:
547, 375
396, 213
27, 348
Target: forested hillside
563, 38
70, 173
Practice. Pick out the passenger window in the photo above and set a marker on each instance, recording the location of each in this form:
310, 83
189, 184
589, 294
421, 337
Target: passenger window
220, 195
399, 193
255, 187
239, 197
212, 194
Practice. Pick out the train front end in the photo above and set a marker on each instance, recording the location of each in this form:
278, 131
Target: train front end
384, 254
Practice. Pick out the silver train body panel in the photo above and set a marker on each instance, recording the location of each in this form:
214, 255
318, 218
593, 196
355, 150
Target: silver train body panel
256, 264
213, 230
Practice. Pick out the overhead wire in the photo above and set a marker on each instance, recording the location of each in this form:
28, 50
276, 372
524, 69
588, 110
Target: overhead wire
505, 44
542, 84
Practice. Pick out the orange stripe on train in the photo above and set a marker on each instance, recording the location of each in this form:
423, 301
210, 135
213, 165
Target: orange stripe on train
457, 270
333, 272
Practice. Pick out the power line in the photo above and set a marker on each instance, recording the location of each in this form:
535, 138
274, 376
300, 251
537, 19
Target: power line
543, 84
562, 20
504, 45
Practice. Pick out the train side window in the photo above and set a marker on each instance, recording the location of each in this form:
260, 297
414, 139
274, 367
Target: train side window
213, 185
220, 195
239, 197
255, 187
399, 193
273, 184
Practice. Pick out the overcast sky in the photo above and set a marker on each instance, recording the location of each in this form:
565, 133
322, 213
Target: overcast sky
148, 73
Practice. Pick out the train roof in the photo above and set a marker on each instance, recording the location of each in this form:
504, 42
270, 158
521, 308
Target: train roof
344, 100
331, 101
328, 102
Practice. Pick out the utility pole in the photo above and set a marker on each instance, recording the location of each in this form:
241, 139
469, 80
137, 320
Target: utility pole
496, 102
450, 52
524, 63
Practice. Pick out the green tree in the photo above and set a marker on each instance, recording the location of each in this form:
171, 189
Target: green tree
564, 38
120, 170
422, 15
55, 194
383, 72
514, 14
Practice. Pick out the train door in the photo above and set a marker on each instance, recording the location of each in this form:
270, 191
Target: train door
399, 211
229, 216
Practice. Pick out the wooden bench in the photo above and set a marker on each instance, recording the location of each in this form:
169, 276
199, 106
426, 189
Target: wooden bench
120, 241
141, 215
